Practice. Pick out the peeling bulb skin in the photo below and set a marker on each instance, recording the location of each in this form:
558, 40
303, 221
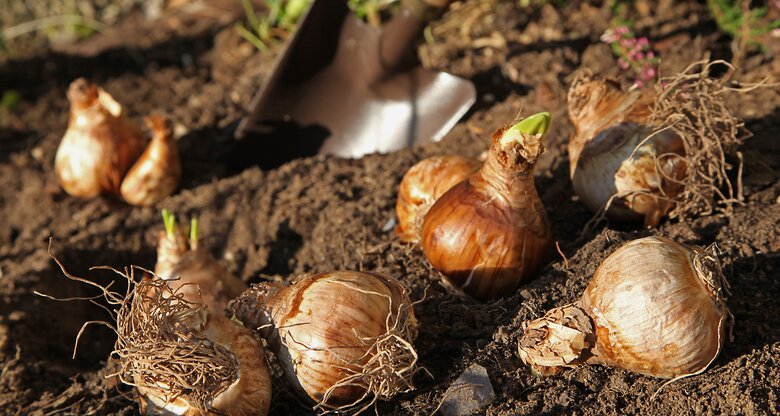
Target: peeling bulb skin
489, 233
422, 185
610, 153
156, 173
344, 339
654, 307
99, 145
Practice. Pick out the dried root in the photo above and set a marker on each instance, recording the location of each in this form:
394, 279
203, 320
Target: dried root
157, 349
160, 353
692, 104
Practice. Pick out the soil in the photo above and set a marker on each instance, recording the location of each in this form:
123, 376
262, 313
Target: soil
269, 220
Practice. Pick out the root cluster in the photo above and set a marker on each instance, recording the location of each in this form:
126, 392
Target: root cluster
692, 104
158, 349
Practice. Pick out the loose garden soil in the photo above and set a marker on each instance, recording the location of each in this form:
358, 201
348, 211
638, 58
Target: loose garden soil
265, 219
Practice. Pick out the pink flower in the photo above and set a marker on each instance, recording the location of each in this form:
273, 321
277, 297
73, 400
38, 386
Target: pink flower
634, 54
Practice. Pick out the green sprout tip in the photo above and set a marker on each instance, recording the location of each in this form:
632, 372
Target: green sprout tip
535, 124
194, 231
169, 221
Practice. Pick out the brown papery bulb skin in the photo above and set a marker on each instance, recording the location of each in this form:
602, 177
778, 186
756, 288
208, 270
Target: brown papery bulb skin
170, 249
654, 307
422, 185
156, 173
195, 273
250, 394
490, 232
99, 145
606, 159
342, 338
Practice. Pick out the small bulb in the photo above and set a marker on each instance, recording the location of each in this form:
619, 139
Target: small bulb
156, 173
99, 145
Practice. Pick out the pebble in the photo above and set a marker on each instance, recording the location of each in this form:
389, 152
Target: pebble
389, 225
470, 393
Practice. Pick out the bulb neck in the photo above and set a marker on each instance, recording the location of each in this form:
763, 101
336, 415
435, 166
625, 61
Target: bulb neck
170, 250
253, 310
564, 337
82, 94
710, 274
507, 173
161, 128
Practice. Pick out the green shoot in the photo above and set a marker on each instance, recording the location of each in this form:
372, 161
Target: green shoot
535, 124
194, 232
169, 221
279, 20
9, 100
257, 30
738, 19
251, 16
293, 11
749, 27
251, 37
372, 11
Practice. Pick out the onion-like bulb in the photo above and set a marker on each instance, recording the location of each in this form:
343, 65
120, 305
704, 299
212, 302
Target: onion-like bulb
344, 338
99, 145
654, 307
490, 232
185, 360
192, 270
422, 185
156, 173
610, 153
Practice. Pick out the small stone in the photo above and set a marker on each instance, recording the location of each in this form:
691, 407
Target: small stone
469, 394
16, 316
179, 130
746, 251
389, 225
37, 153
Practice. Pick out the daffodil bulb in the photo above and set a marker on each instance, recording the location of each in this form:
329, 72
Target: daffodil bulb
654, 307
490, 232
422, 185
191, 270
156, 173
617, 158
344, 339
100, 144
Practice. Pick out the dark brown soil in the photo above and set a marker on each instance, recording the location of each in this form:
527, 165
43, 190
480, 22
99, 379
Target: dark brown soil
323, 213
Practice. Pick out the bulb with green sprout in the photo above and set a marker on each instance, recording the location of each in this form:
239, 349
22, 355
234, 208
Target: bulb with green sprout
191, 269
490, 232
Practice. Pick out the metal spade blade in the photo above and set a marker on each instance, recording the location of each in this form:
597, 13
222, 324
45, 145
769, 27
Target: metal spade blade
360, 83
